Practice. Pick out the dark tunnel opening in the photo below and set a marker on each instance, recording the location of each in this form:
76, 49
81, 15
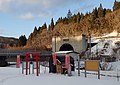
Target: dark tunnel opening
66, 47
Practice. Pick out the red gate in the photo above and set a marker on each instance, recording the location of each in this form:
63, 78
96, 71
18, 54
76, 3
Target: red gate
36, 57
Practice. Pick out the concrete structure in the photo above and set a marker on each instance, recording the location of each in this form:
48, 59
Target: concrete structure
74, 43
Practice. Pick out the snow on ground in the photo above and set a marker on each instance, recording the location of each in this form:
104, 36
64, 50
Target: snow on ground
116, 65
13, 76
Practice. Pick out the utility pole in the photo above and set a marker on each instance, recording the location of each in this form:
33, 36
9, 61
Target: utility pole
55, 36
79, 64
55, 42
90, 45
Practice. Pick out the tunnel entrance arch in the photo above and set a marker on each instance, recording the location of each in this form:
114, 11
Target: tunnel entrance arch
75, 43
66, 47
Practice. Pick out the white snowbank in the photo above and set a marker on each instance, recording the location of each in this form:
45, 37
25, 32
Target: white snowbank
116, 65
13, 76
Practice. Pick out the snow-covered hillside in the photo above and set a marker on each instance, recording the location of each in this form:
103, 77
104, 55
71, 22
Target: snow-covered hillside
106, 45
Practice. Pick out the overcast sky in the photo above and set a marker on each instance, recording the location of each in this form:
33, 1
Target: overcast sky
19, 17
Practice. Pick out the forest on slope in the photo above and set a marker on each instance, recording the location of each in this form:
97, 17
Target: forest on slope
96, 23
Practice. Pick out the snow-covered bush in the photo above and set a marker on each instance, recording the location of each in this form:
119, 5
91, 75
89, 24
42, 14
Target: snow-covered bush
106, 66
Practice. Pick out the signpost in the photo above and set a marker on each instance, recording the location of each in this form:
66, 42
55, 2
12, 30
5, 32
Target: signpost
92, 65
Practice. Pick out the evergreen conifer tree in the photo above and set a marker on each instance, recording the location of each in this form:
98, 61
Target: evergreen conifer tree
22, 40
95, 13
44, 26
100, 11
69, 14
116, 5
52, 24
35, 31
78, 17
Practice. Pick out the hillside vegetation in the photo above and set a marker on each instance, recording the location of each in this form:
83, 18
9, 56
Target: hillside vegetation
6, 42
12, 43
98, 22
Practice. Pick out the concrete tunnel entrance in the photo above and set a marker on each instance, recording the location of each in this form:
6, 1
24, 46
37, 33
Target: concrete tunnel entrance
66, 47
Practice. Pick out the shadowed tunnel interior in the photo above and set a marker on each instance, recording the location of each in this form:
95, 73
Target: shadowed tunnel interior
66, 47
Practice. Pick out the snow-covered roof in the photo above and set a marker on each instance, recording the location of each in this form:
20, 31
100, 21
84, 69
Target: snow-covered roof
63, 52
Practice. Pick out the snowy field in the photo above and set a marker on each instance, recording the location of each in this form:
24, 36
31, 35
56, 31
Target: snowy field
13, 76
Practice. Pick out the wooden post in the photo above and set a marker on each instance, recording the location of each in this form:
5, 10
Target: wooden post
85, 73
98, 74
78, 65
117, 75
32, 67
85, 70
29, 67
37, 64
98, 70
22, 67
26, 63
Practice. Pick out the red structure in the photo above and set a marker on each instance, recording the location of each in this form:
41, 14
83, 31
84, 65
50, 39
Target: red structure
54, 58
34, 57
18, 61
67, 61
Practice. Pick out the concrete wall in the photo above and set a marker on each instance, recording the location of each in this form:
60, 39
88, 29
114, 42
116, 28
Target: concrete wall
79, 43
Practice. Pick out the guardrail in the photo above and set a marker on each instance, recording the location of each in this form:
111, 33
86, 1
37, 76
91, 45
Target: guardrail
5, 52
